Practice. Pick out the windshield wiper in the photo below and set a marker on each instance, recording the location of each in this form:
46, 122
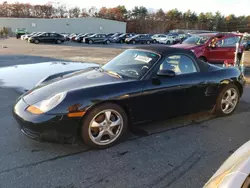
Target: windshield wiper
109, 72
114, 73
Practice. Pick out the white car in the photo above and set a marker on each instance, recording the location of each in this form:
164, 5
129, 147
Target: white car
235, 171
22, 37
168, 40
158, 37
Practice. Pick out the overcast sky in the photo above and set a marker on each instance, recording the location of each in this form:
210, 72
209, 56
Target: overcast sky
237, 7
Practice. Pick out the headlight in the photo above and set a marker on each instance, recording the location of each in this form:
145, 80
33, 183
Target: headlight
47, 104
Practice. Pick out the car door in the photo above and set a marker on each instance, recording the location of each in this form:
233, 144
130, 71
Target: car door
98, 38
52, 37
46, 37
169, 96
43, 37
224, 49
103, 38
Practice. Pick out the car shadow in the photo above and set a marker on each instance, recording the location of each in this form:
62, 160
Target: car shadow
11, 60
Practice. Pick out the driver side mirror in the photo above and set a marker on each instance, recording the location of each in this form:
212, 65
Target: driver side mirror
166, 73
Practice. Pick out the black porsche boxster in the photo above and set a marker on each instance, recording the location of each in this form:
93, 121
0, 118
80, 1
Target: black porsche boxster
141, 84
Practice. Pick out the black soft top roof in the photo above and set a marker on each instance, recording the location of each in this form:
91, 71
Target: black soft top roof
165, 51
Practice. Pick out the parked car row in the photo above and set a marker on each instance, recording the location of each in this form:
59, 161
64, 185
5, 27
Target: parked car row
129, 38
91, 38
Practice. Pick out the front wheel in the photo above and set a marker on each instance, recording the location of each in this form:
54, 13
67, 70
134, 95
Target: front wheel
90, 42
36, 41
227, 101
148, 42
107, 42
104, 126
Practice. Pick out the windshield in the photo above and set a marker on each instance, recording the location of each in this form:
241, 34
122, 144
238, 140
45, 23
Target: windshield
132, 63
196, 39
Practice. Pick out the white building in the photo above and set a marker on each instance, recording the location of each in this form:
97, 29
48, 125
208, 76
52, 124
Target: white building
65, 25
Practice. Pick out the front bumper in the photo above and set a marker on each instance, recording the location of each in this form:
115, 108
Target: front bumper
45, 127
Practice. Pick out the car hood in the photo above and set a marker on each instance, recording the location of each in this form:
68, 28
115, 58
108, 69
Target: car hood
24, 77
186, 46
89, 77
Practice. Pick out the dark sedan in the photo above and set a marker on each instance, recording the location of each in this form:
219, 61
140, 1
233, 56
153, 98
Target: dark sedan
47, 38
139, 85
80, 38
97, 38
141, 39
121, 38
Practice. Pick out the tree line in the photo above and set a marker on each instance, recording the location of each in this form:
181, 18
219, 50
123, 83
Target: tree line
139, 19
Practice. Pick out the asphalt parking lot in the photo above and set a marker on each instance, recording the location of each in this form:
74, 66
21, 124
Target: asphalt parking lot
180, 152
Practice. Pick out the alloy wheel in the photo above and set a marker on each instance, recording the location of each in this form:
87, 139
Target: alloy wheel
105, 127
229, 101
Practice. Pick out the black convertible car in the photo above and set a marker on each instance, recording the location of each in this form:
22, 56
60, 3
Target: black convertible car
141, 84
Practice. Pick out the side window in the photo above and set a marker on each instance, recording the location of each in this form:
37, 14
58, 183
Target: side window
52, 34
180, 64
228, 42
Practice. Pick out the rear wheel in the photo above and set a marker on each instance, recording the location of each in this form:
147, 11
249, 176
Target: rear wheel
107, 42
90, 42
104, 126
168, 42
148, 42
227, 100
133, 42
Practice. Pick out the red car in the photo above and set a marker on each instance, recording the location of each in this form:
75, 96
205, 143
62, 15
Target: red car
213, 47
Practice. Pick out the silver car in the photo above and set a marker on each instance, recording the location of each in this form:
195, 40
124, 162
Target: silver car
235, 171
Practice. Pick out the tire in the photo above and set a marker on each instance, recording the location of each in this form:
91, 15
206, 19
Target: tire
154, 41
89, 134
58, 42
121, 41
107, 42
168, 42
133, 42
90, 42
222, 100
148, 42
203, 59
36, 41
